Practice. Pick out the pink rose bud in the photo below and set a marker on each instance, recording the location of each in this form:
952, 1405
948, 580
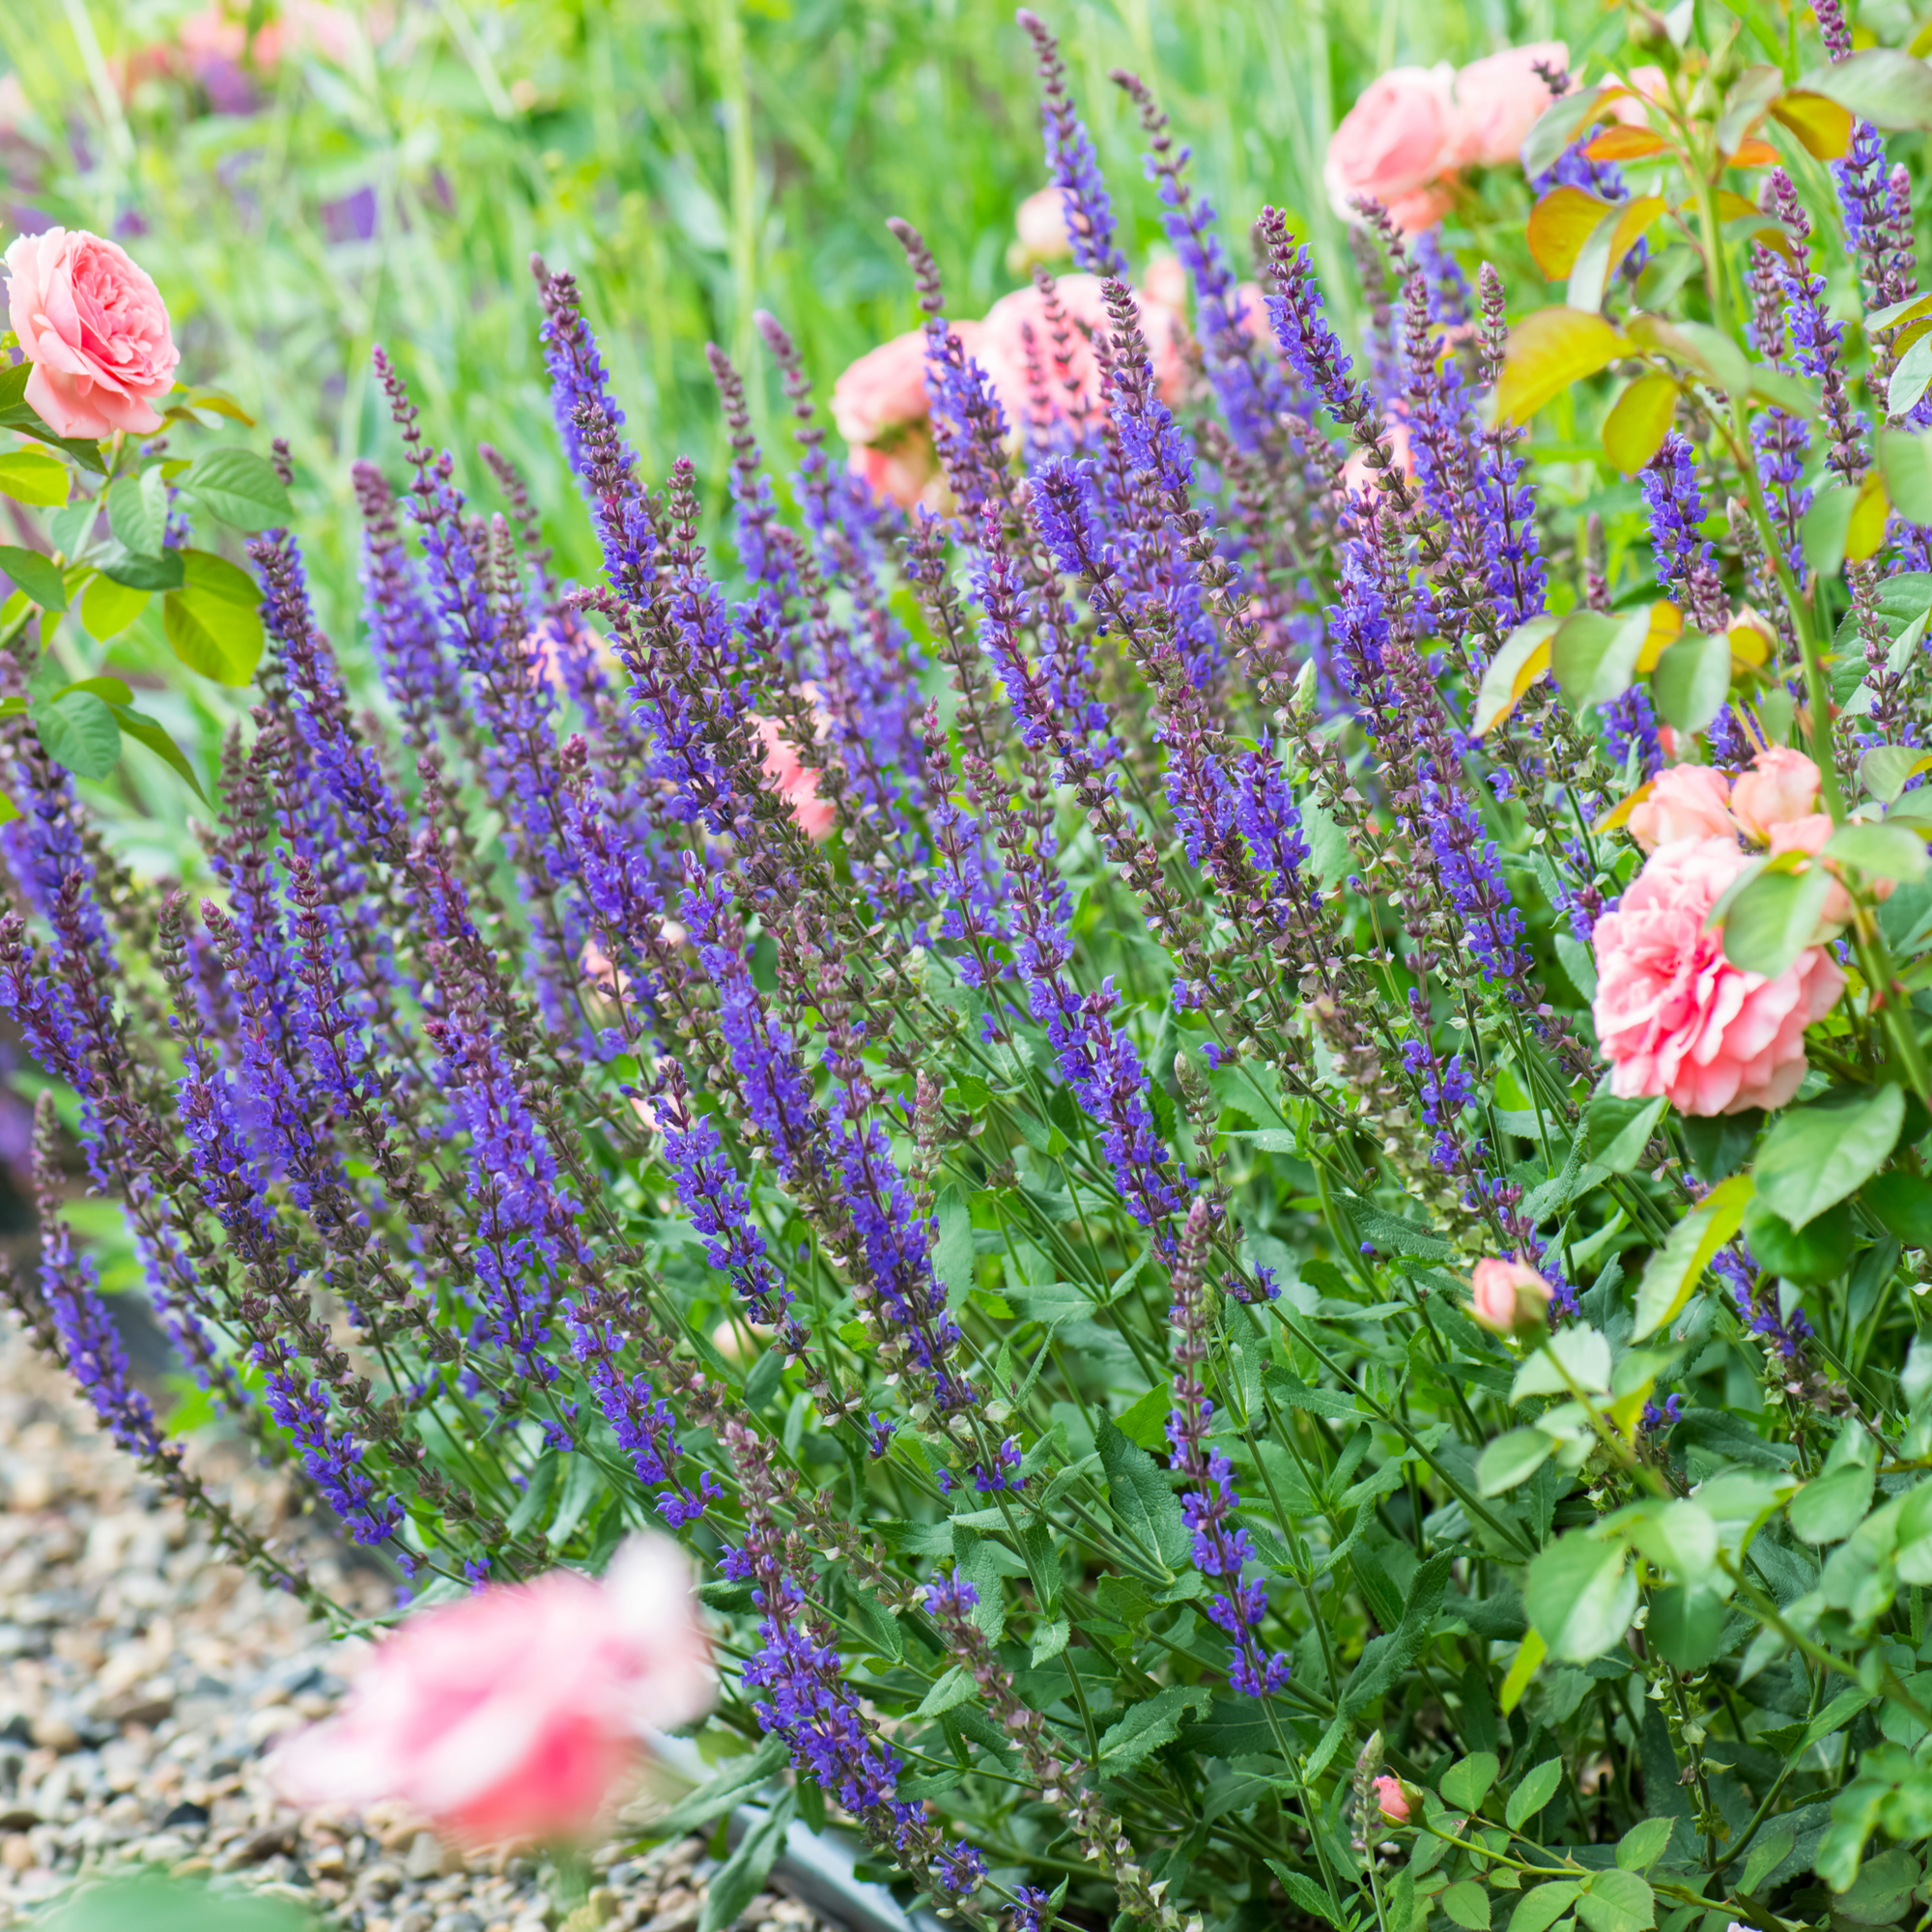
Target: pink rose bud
1395, 145
517, 1713
1392, 1798
1499, 100
1781, 785
1675, 1018
1507, 1297
1684, 802
96, 330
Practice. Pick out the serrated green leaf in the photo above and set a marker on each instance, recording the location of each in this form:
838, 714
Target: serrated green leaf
241, 488
1537, 1789
213, 635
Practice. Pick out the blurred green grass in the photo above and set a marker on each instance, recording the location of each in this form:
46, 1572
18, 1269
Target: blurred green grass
692, 160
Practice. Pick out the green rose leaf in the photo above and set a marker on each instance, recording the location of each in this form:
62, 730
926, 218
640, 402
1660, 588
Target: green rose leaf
213, 635
241, 488
40, 576
1535, 1791
33, 477
1581, 1595
1617, 1901
79, 732
1816, 1155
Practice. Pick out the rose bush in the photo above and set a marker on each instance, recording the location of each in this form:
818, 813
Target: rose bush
1240, 1144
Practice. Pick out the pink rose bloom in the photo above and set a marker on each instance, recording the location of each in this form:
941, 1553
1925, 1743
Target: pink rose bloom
1507, 1297
796, 782
881, 408
1651, 82
1357, 477
96, 330
1684, 802
1675, 1016
1041, 227
1003, 352
1392, 1798
515, 1714
884, 390
1395, 144
1499, 100
1781, 784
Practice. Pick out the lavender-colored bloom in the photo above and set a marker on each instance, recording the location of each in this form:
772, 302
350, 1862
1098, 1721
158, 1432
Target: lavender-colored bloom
1676, 510
1071, 163
1222, 1549
720, 1209
90, 1343
1630, 724
1300, 322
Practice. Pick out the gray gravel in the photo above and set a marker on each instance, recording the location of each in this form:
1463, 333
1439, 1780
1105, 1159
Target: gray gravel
142, 1678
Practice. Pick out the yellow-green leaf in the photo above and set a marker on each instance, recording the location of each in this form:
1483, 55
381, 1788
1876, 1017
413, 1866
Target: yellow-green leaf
32, 477
1548, 351
1523, 659
1822, 126
107, 608
1675, 1269
1638, 422
1559, 224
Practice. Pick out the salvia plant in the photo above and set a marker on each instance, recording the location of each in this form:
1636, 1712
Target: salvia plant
1236, 1123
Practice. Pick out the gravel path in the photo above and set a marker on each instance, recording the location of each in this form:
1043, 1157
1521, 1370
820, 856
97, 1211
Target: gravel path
142, 1678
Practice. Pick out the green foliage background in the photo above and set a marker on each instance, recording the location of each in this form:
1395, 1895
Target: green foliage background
691, 160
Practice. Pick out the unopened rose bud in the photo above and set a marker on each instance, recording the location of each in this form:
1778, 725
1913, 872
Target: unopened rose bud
1508, 1298
1392, 1798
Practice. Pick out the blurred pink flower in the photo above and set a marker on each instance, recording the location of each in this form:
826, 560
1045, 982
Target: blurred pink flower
1651, 82
1782, 785
1499, 100
1507, 1297
1357, 474
96, 330
1395, 144
796, 782
1164, 285
515, 1714
1675, 1016
881, 408
1040, 225
1002, 354
1684, 802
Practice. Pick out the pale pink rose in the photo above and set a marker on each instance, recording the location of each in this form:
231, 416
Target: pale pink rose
1809, 833
215, 32
881, 408
96, 330
517, 1714
1003, 348
1358, 477
884, 390
1675, 1018
1651, 83
1392, 1799
907, 473
1396, 142
1507, 1297
1684, 802
1164, 285
1781, 784
1041, 227
796, 782
1499, 100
